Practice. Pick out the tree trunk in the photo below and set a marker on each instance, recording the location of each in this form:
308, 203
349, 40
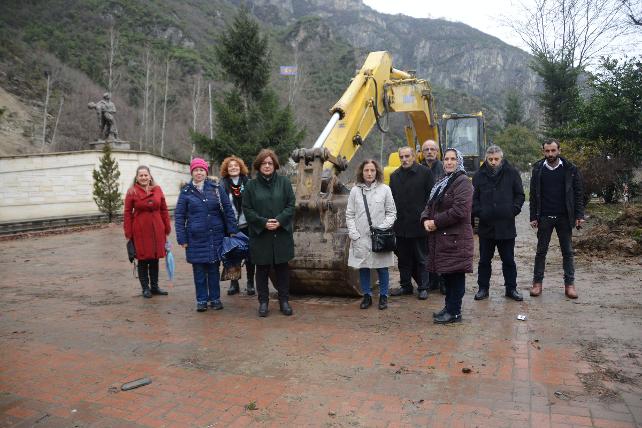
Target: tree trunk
164, 108
44, 119
53, 136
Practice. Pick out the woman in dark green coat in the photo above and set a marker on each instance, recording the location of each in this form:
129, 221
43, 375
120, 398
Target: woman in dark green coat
268, 205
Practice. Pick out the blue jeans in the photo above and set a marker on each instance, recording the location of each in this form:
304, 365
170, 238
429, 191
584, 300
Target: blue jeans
564, 231
206, 280
506, 248
364, 281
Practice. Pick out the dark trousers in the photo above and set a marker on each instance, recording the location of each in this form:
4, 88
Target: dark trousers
148, 273
249, 267
411, 256
564, 232
455, 289
506, 249
281, 281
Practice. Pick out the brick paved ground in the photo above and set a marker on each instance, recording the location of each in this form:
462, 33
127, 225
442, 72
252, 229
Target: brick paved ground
73, 328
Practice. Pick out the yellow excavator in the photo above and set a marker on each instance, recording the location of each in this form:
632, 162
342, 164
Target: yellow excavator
320, 234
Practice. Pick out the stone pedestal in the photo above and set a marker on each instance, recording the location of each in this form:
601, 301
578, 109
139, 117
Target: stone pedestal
115, 144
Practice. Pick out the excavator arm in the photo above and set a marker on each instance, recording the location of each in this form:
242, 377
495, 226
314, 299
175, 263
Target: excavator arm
320, 235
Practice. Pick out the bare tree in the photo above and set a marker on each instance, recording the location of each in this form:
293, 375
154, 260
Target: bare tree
144, 127
164, 107
112, 78
573, 31
196, 102
44, 115
209, 98
634, 15
53, 135
154, 106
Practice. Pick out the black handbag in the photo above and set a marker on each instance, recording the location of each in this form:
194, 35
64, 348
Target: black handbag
383, 240
131, 251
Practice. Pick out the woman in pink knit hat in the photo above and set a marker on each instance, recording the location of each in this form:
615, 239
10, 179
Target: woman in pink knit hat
203, 217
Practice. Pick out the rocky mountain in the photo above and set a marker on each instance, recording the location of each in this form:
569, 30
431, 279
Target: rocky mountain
327, 39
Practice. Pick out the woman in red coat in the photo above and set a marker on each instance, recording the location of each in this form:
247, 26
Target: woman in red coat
146, 222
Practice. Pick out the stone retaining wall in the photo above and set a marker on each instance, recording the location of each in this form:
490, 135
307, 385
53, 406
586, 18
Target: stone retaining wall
59, 185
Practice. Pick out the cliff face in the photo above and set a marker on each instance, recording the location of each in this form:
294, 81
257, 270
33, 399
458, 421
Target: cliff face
450, 55
327, 39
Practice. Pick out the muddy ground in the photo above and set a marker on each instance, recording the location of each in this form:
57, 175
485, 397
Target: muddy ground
73, 327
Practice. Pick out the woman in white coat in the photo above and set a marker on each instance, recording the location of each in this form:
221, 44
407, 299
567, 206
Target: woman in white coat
383, 214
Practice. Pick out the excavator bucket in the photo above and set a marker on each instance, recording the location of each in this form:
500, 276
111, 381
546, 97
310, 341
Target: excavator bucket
321, 239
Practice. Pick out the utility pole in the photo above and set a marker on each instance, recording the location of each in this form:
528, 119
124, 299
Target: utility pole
44, 119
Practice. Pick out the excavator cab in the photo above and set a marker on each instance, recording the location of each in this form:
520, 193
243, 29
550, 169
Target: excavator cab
466, 133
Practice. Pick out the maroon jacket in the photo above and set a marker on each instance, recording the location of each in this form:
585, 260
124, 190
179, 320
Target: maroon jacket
451, 246
146, 221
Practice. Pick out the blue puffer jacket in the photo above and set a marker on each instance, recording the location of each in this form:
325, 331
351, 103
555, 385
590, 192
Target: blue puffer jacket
199, 222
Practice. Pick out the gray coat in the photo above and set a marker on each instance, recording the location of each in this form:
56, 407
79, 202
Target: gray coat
383, 214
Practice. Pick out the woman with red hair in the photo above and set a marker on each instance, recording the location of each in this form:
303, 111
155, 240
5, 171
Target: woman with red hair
234, 175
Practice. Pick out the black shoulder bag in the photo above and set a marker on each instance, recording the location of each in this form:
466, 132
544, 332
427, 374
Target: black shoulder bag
383, 240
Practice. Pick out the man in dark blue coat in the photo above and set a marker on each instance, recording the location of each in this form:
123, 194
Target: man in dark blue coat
556, 202
497, 200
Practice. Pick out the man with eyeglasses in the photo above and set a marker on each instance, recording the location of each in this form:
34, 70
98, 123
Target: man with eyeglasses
430, 151
411, 185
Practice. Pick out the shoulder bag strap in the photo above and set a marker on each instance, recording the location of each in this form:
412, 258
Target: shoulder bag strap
365, 203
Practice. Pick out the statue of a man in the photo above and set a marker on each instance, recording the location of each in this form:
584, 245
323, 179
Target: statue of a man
106, 111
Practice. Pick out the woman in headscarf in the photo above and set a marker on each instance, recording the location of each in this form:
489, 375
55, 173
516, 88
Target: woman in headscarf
234, 175
450, 234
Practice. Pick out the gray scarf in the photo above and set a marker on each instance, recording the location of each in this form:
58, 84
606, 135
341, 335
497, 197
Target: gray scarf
441, 184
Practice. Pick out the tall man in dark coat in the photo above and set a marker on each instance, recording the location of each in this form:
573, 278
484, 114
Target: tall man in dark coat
411, 185
556, 202
497, 199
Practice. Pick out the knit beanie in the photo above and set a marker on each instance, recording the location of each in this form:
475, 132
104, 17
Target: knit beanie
198, 163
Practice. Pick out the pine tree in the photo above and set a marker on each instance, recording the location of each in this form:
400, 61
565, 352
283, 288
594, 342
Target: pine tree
106, 193
513, 110
248, 117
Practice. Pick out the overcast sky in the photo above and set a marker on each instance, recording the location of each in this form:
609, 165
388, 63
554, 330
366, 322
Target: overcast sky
484, 15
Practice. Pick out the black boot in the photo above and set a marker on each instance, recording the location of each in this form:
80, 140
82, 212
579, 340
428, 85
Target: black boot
263, 309
143, 277
153, 278
366, 302
249, 267
481, 294
285, 307
383, 302
234, 288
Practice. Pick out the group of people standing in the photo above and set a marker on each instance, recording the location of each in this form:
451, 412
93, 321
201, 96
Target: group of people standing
206, 212
429, 205
433, 206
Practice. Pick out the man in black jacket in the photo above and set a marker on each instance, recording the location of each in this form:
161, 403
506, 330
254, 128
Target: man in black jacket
497, 199
556, 202
411, 185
